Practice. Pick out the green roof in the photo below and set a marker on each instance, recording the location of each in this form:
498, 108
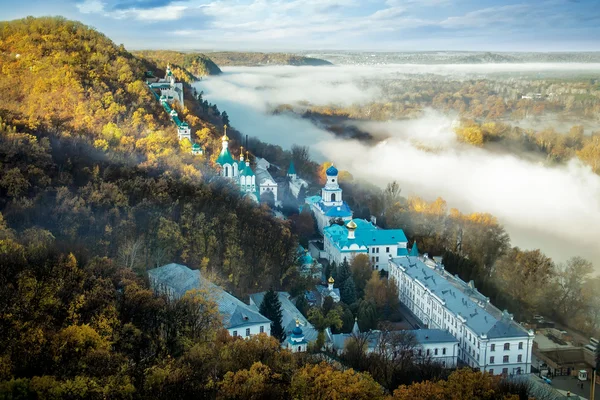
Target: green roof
195, 146
247, 171
225, 158
292, 169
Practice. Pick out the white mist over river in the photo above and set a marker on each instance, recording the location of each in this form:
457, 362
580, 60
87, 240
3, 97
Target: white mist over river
556, 209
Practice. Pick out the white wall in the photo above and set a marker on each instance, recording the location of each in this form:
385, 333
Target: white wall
474, 350
254, 330
448, 360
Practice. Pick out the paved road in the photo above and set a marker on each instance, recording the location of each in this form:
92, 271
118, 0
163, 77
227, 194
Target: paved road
571, 383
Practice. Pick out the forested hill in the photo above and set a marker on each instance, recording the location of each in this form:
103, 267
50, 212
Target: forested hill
249, 59
192, 65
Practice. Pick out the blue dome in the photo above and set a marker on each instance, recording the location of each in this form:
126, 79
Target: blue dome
306, 259
297, 332
331, 171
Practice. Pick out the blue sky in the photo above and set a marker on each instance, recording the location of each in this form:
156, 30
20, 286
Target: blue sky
374, 25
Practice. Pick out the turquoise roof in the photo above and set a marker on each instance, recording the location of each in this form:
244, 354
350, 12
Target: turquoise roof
195, 146
312, 199
366, 234
331, 171
225, 158
337, 211
304, 255
292, 169
414, 251
402, 251
247, 171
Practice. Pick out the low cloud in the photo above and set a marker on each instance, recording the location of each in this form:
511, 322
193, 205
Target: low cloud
552, 208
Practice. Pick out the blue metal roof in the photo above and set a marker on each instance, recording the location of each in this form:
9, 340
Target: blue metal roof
366, 234
312, 199
460, 299
336, 211
414, 251
433, 336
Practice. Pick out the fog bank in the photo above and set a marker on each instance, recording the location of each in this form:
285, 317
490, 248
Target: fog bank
556, 209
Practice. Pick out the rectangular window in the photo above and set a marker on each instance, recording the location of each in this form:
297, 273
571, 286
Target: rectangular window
247, 331
377, 258
444, 351
520, 345
505, 359
428, 352
373, 250
435, 352
378, 250
505, 371
387, 249
519, 358
492, 347
262, 329
491, 359
506, 346
492, 371
234, 333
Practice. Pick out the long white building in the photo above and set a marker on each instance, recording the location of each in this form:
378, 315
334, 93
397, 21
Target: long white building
489, 339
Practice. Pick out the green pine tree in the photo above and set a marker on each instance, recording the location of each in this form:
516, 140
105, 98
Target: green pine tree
271, 308
302, 304
348, 291
343, 273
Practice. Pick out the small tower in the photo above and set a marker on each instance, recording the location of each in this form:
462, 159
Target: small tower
351, 226
296, 342
224, 140
292, 171
184, 132
168, 73
173, 113
330, 283
196, 149
332, 193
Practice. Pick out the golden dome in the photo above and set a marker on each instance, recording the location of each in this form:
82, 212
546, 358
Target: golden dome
330, 280
351, 225
224, 138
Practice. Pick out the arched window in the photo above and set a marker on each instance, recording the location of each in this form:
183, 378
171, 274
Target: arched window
227, 170
332, 196
299, 348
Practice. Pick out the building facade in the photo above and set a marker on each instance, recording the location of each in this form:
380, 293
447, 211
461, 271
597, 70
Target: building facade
489, 339
252, 182
240, 319
296, 183
359, 236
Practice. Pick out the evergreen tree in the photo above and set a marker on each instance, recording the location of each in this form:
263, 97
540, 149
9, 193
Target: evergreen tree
348, 291
225, 118
302, 304
367, 315
343, 273
271, 308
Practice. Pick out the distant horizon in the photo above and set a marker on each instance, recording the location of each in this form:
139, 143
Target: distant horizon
540, 26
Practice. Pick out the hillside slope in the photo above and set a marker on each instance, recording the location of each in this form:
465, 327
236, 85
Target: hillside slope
233, 58
196, 64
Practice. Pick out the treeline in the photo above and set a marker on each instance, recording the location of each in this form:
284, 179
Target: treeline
556, 147
249, 59
185, 66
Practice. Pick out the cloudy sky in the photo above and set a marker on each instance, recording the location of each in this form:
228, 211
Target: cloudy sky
385, 25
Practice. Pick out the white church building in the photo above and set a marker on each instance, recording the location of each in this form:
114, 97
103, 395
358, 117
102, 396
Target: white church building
168, 87
252, 183
359, 236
